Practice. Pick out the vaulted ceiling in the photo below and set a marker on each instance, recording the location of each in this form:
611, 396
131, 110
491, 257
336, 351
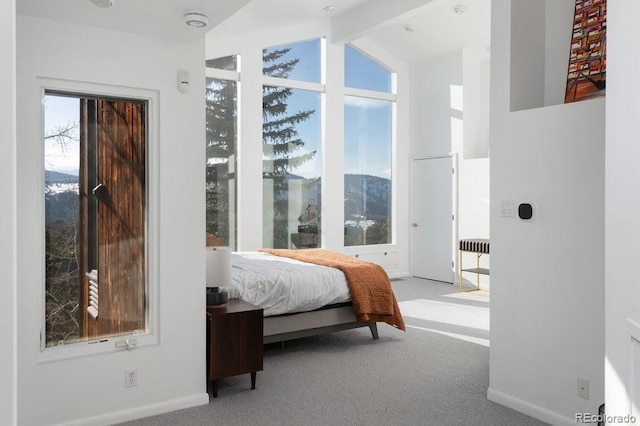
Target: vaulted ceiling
436, 27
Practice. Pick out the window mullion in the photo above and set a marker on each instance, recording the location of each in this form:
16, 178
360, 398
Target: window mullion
371, 94
293, 84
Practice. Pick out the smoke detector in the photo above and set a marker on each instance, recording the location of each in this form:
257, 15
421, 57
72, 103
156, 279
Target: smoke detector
103, 3
196, 19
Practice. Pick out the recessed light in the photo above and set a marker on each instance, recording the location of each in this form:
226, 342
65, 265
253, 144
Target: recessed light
103, 3
329, 8
196, 19
409, 28
459, 9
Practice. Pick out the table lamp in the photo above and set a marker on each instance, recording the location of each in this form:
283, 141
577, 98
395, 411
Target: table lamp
218, 275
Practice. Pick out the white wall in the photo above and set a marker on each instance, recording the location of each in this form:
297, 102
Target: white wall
8, 214
547, 308
393, 257
622, 386
89, 389
527, 49
476, 79
436, 124
474, 198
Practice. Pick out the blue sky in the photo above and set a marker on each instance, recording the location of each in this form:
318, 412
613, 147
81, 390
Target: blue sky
367, 121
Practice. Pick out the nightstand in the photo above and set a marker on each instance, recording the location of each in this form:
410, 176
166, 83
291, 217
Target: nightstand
234, 341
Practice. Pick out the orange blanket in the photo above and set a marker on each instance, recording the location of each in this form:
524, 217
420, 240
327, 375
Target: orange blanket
371, 294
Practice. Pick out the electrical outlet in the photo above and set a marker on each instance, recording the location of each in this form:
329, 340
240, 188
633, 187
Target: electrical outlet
130, 378
583, 388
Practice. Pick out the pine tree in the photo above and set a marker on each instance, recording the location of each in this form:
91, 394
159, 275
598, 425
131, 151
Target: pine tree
279, 129
281, 142
221, 114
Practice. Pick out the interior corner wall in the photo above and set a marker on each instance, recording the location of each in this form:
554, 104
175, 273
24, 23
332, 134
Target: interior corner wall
432, 115
476, 85
622, 360
89, 389
547, 291
8, 214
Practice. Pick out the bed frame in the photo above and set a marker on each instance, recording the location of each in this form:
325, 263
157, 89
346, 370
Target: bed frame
287, 327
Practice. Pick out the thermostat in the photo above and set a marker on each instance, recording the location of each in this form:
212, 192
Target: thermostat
526, 211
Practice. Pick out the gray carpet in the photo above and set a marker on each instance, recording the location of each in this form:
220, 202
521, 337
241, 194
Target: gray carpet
435, 373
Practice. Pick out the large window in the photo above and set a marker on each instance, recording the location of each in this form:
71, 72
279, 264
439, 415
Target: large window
221, 143
368, 151
295, 146
95, 157
292, 148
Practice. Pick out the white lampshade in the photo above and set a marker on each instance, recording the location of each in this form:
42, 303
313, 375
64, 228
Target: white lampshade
218, 266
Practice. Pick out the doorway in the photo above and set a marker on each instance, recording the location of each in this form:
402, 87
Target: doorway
434, 225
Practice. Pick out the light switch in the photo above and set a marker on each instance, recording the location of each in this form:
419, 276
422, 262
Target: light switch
508, 208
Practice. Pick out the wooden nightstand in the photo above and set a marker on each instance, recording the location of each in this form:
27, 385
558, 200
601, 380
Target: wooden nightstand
234, 341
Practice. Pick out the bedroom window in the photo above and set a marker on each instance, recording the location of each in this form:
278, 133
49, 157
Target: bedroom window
95, 161
368, 150
292, 154
221, 148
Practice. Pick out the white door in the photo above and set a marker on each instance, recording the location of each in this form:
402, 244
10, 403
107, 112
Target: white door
433, 227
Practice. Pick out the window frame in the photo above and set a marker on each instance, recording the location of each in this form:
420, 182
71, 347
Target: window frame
320, 88
220, 74
152, 232
391, 96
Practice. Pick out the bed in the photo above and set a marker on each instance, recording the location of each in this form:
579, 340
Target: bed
312, 291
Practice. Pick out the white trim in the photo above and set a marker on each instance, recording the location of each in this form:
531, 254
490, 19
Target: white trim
142, 411
394, 172
292, 84
350, 91
323, 60
529, 409
222, 74
152, 243
9, 214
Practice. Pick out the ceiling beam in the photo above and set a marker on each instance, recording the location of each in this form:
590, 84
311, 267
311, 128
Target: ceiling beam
376, 14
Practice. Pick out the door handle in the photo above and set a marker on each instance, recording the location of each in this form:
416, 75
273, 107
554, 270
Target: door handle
414, 224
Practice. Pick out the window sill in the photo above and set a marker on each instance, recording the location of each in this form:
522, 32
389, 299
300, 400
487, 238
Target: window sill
98, 347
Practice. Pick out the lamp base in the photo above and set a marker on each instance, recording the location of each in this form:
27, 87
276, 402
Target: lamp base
216, 297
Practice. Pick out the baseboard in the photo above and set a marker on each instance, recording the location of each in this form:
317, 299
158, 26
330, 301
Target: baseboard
143, 411
529, 409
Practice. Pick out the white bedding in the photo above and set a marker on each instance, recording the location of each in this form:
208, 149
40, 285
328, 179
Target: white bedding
280, 285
